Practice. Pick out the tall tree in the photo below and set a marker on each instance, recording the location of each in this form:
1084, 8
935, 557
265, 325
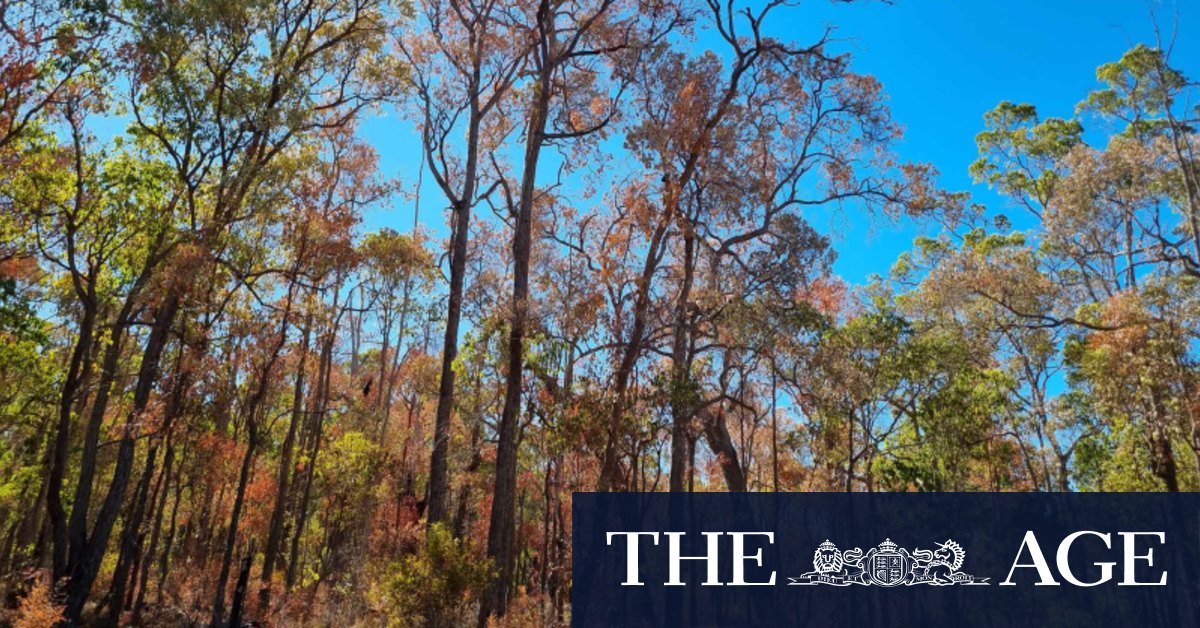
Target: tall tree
572, 97
463, 61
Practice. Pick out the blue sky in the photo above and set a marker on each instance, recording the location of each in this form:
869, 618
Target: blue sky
943, 63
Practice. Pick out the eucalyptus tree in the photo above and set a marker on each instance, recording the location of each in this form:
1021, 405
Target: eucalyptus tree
464, 57
582, 56
734, 146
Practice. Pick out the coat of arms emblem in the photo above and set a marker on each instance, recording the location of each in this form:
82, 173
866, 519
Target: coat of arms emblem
888, 565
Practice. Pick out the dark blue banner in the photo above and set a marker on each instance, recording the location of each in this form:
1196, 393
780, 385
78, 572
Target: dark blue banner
886, 559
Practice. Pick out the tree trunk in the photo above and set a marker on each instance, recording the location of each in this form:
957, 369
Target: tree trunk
160, 509
1163, 454
610, 468
322, 406
62, 442
439, 461
84, 570
218, 610
719, 440
275, 536
253, 415
239, 592
164, 562
682, 395
500, 527
131, 535
128, 544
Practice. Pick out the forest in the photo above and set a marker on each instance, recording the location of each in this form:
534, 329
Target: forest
238, 385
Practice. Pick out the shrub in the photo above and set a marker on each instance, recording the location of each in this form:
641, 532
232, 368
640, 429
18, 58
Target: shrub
436, 585
37, 609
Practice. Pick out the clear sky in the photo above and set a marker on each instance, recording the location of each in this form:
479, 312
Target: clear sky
943, 63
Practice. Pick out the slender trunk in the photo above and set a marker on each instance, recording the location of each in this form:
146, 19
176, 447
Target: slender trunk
850, 457
81, 502
84, 571
691, 488
1164, 464
439, 478
381, 396
218, 609
544, 553
464, 491
78, 542
774, 434
253, 415
164, 561
610, 467
388, 390
131, 539
65, 541
239, 592
682, 395
500, 527
314, 438
155, 531
30, 532
275, 536
131, 529
62, 441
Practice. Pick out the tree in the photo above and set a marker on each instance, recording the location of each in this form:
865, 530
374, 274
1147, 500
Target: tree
573, 97
463, 68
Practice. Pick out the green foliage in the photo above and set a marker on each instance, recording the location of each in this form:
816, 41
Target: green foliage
1140, 88
27, 373
18, 320
1018, 150
435, 584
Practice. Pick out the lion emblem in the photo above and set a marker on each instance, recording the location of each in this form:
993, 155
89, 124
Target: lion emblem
827, 559
829, 562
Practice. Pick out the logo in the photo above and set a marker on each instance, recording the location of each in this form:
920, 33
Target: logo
888, 565
1096, 559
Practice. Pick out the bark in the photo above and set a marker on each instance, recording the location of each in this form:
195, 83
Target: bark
155, 531
439, 479
314, 442
464, 492
218, 610
239, 592
774, 433
62, 441
30, 531
83, 571
275, 535
610, 467
719, 440
164, 562
682, 396
77, 526
81, 357
501, 525
698, 147
1164, 465
131, 532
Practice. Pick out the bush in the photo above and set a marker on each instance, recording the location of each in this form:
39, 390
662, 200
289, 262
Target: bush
435, 586
37, 609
